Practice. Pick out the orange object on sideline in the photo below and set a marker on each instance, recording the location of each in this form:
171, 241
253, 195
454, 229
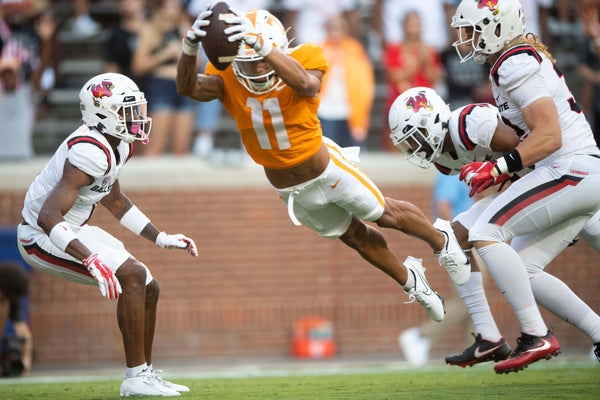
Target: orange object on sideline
313, 338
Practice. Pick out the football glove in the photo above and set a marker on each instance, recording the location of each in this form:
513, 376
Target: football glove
244, 30
178, 241
191, 42
107, 282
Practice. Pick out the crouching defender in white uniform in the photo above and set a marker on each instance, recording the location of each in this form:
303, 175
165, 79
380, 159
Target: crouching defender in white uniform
429, 133
54, 236
559, 196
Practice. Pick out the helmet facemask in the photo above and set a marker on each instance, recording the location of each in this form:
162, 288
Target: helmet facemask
418, 120
420, 147
113, 104
484, 29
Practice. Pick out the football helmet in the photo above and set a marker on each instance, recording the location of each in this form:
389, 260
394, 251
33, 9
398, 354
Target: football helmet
255, 74
418, 120
486, 26
114, 105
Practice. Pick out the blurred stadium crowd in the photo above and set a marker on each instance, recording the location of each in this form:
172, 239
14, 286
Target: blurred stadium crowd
376, 50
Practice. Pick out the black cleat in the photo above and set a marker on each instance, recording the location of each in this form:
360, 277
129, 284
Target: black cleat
597, 350
481, 351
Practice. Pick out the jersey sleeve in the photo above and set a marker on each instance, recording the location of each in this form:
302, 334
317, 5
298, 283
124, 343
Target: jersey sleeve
476, 125
89, 155
516, 66
310, 56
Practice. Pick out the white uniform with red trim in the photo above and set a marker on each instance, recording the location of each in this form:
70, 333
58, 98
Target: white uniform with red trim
553, 202
89, 151
471, 130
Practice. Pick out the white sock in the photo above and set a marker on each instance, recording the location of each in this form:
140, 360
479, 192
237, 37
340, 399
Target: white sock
131, 372
474, 297
508, 271
555, 296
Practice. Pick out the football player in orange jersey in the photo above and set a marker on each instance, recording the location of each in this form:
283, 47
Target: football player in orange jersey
272, 92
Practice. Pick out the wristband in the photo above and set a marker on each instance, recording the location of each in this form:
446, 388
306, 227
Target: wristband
61, 235
510, 162
134, 220
189, 49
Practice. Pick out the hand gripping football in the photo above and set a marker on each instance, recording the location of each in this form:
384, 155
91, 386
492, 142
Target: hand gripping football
218, 49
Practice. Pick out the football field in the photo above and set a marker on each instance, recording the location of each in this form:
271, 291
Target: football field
544, 381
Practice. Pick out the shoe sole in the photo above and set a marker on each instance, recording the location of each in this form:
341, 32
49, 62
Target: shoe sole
522, 367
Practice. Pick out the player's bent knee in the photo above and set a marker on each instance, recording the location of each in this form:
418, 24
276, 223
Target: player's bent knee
132, 274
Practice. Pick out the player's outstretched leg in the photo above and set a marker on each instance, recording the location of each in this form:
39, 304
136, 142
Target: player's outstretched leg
371, 245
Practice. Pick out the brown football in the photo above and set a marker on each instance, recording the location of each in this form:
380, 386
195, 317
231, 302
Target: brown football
218, 49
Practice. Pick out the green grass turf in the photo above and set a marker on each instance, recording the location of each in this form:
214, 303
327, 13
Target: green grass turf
545, 382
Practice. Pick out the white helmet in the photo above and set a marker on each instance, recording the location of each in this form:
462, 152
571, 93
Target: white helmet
418, 120
497, 22
245, 66
113, 104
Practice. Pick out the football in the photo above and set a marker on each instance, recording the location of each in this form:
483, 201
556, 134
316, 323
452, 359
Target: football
218, 49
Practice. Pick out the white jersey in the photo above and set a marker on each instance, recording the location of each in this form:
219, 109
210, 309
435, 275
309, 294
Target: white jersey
522, 75
89, 151
471, 130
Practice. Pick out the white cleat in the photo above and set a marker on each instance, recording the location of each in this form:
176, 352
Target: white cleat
144, 384
452, 257
422, 292
157, 374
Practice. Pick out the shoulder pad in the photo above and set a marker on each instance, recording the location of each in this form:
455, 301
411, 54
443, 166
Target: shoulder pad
515, 66
476, 125
89, 155
310, 56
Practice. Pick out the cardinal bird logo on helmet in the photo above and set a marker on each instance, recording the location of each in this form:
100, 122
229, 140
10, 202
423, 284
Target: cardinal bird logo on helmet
418, 102
103, 89
491, 4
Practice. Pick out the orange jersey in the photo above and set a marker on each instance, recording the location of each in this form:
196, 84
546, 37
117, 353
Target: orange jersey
279, 129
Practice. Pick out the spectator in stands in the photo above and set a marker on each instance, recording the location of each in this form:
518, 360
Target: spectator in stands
589, 63
26, 48
158, 50
307, 18
123, 40
409, 63
465, 83
15, 343
391, 13
348, 87
82, 23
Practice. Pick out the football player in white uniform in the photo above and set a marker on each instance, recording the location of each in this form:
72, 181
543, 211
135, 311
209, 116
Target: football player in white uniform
54, 236
557, 198
429, 133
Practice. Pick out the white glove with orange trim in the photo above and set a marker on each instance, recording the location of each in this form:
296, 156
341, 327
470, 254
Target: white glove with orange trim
176, 242
243, 29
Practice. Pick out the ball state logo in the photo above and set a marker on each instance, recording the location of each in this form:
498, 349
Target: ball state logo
104, 89
418, 102
492, 5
